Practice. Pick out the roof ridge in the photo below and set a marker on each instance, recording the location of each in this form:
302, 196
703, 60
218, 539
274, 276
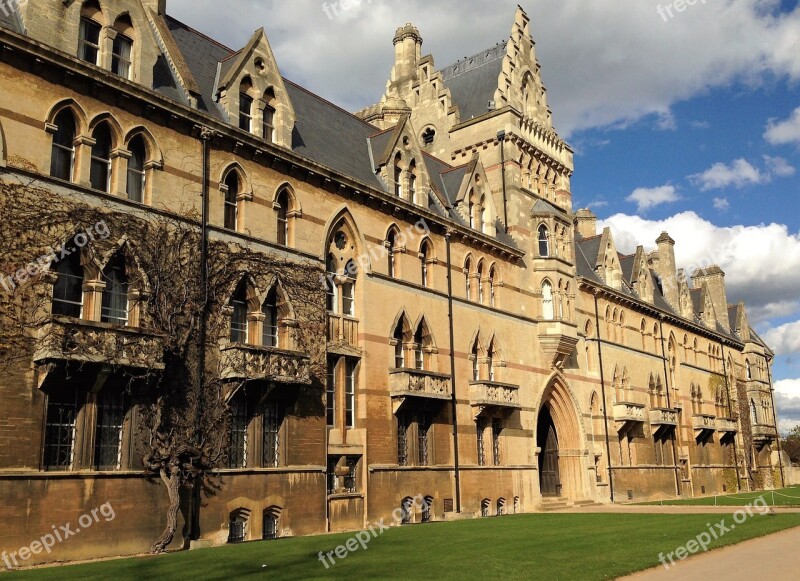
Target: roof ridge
451, 168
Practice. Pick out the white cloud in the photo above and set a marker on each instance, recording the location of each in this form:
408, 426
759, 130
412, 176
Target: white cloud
787, 403
721, 204
699, 124
739, 174
762, 262
785, 340
778, 166
636, 64
783, 132
647, 198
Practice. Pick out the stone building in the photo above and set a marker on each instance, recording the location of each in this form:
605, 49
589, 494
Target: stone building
487, 348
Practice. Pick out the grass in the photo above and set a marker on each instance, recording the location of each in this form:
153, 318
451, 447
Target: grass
540, 546
782, 497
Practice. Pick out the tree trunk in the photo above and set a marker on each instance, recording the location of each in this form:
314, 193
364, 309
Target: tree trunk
173, 488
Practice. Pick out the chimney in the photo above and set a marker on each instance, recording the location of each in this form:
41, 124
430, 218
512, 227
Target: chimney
713, 279
585, 223
665, 267
407, 52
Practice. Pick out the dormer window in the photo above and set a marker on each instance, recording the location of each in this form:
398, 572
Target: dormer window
245, 112
269, 124
121, 56
89, 41
544, 241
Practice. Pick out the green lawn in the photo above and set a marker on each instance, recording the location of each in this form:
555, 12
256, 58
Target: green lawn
783, 497
538, 546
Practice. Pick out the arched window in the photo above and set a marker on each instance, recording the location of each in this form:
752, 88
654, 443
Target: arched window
237, 525
349, 289
232, 188
492, 273
547, 301
270, 310
283, 217
246, 106
419, 347
747, 369
62, 158
268, 125
122, 48
475, 358
115, 295
398, 176
544, 241
483, 214
331, 288
68, 289
391, 259
239, 314
399, 348
89, 34
424, 260
271, 517
480, 282
468, 278
471, 208
136, 175
490, 361
100, 172
753, 412
412, 180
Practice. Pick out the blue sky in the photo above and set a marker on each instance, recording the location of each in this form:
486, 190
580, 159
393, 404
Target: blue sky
689, 123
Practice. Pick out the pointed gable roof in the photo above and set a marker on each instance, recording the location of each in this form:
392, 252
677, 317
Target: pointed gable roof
473, 81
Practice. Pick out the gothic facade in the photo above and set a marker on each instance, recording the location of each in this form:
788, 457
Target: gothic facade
483, 344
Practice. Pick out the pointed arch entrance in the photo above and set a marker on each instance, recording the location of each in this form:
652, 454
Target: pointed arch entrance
560, 441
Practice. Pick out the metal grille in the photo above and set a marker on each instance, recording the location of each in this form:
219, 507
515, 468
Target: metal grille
423, 423
270, 526
351, 480
273, 418
110, 420
481, 451
237, 456
62, 408
402, 439
237, 533
497, 428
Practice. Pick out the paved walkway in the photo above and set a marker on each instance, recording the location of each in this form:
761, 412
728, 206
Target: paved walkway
772, 558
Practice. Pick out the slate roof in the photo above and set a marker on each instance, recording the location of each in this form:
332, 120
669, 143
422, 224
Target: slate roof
202, 55
473, 81
586, 248
545, 207
331, 136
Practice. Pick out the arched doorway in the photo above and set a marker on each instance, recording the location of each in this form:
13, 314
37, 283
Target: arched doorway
547, 441
563, 454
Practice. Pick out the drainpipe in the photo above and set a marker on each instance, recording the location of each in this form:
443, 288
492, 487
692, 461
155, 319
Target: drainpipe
501, 136
206, 136
730, 413
453, 400
668, 387
775, 421
603, 392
